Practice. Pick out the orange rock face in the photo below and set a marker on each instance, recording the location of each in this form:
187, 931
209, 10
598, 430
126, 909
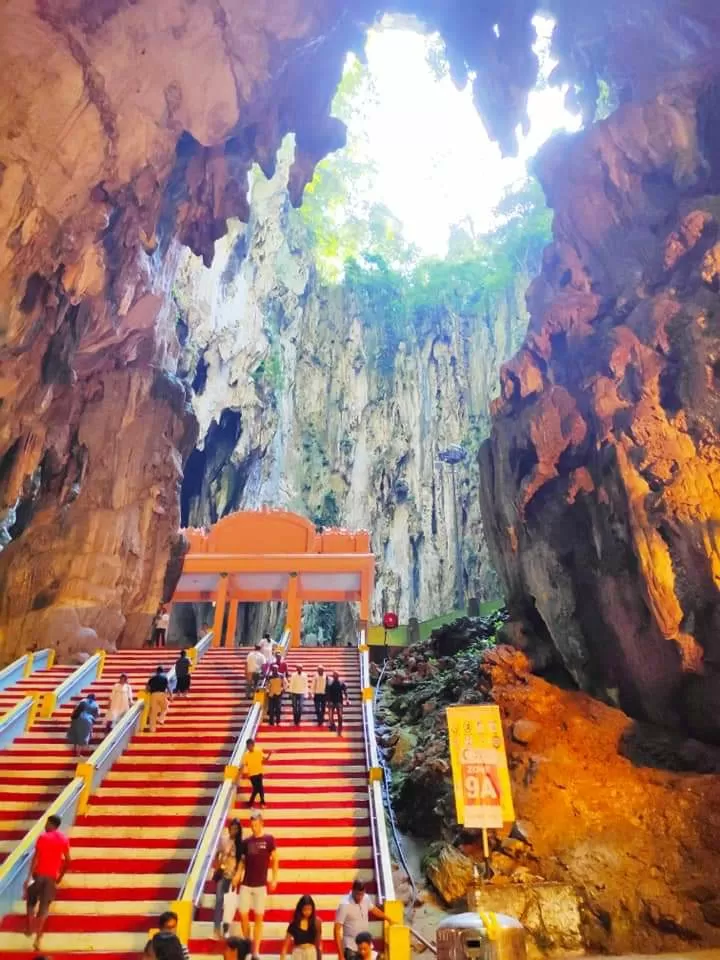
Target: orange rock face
607, 471
638, 841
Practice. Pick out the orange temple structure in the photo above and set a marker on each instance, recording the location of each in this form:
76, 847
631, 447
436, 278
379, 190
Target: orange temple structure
265, 555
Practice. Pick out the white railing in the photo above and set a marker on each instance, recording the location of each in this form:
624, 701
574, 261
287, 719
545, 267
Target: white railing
204, 855
14, 871
94, 769
378, 826
42, 659
15, 671
16, 721
197, 652
24, 666
72, 685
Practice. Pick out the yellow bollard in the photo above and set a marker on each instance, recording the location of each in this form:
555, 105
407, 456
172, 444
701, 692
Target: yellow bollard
101, 665
184, 911
51, 658
397, 935
367, 693
86, 771
32, 715
48, 704
28, 668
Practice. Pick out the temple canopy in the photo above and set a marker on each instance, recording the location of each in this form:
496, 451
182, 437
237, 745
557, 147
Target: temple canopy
260, 556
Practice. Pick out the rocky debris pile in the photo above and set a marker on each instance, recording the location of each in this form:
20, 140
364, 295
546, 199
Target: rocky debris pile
635, 846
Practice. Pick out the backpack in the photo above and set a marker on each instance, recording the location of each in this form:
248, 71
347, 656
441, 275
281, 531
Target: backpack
79, 709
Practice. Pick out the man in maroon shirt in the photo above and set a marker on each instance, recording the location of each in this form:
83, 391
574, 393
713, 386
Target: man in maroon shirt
49, 864
258, 854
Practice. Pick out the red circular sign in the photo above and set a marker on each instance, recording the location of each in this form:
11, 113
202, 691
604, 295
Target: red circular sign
390, 621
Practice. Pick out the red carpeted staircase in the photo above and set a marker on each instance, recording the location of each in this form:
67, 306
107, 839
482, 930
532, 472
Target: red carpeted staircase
40, 763
317, 810
41, 681
131, 850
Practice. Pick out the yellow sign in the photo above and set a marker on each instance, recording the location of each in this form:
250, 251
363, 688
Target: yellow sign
483, 796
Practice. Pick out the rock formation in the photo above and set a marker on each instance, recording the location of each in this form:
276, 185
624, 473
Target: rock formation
630, 848
129, 127
601, 485
295, 409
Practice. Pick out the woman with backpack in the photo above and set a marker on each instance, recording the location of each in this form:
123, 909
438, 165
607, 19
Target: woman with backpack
81, 723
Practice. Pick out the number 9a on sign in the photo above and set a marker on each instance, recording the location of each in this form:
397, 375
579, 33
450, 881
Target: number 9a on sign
481, 780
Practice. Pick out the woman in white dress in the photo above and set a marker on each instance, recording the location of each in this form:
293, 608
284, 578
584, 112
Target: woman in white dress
121, 699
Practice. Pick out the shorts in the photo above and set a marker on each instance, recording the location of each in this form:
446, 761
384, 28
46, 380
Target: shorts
41, 893
254, 897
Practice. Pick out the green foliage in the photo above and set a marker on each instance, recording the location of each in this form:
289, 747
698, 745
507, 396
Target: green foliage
329, 513
400, 296
606, 102
268, 374
401, 304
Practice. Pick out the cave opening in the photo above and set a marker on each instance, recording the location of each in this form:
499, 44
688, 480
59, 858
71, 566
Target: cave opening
372, 326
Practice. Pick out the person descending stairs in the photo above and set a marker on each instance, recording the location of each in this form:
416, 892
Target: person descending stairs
40, 763
132, 847
316, 810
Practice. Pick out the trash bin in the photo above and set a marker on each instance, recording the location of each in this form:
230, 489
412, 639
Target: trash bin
480, 936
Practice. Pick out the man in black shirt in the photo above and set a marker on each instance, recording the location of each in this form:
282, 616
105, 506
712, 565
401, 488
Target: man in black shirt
336, 696
159, 690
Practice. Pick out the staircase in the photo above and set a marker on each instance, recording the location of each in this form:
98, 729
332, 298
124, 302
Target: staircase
317, 811
133, 846
131, 850
41, 681
39, 764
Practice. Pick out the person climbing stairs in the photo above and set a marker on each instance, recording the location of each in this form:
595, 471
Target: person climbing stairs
316, 809
132, 847
36, 767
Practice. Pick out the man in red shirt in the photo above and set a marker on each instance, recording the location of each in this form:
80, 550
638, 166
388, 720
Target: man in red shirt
49, 864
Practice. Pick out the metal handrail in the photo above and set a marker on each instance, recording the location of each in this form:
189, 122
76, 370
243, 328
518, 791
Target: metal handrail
13, 872
378, 831
94, 769
110, 742
16, 720
386, 781
43, 659
204, 853
89, 671
202, 646
15, 671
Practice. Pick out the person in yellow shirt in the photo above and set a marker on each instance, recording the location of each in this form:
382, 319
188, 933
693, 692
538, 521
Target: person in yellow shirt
252, 769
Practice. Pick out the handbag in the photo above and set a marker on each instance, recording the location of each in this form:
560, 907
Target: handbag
231, 900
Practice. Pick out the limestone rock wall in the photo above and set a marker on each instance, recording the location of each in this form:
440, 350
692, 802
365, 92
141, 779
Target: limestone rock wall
294, 410
601, 491
128, 126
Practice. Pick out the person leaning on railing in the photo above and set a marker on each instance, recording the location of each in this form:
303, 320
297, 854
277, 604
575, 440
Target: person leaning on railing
351, 920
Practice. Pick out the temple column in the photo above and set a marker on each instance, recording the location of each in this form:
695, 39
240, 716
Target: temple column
220, 600
366, 585
232, 623
294, 611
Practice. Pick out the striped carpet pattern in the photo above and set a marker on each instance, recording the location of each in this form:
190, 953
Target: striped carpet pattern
41, 681
317, 811
132, 848
39, 764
